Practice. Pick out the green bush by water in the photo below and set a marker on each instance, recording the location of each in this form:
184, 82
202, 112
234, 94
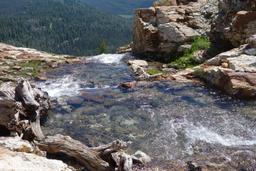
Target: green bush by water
188, 59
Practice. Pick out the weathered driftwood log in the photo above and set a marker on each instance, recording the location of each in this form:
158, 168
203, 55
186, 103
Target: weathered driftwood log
8, 107
21, 108
24, 93
93, 159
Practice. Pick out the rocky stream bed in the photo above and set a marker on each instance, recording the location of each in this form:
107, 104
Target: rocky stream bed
172, 122
185, 120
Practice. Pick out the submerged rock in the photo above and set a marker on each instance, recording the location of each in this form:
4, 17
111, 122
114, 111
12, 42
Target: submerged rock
142, 157
75, 101
128, 85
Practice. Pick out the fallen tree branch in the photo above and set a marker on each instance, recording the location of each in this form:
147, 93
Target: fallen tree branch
94, 159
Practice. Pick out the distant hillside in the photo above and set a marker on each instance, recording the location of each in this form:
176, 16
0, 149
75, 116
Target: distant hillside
120, 7
60, 26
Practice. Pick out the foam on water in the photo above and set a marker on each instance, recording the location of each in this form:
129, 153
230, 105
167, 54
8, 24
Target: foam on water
68, 86
204, 134
65, 86
179, 137
107, 58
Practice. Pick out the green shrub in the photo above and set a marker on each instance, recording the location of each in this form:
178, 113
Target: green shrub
103, 47
185, 61
200, 43
188, 59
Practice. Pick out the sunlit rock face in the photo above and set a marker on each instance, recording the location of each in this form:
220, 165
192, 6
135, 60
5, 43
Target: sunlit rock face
236, 21
27, 161
233, 71
160, 30
18, 154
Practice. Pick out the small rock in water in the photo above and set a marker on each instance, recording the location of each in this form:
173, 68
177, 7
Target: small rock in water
252, 41
140, 63
193, 167
128, 122
41, 78
142, 157
91, 97
53, 64
224, 65
128, 85
75, 101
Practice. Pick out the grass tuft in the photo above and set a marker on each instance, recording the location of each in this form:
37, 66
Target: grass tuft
35, 66
153, 71
188, 59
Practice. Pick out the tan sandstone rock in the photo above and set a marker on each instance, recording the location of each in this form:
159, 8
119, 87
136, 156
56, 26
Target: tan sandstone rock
160, 30
20, 161
233, 71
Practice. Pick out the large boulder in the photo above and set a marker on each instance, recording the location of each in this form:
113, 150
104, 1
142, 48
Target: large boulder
159, 31
233, 71
235, 23
10, 160
16, 144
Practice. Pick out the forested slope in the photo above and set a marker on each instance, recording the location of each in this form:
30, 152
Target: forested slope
60, 26
120, 7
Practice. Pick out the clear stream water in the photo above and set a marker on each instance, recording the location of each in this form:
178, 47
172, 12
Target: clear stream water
167, 120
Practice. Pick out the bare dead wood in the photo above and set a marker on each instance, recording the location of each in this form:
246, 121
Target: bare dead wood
7, 111
24, 93
93, 159
36, 127
21, 107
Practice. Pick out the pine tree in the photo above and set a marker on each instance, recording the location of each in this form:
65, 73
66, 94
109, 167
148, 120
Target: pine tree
103, 48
